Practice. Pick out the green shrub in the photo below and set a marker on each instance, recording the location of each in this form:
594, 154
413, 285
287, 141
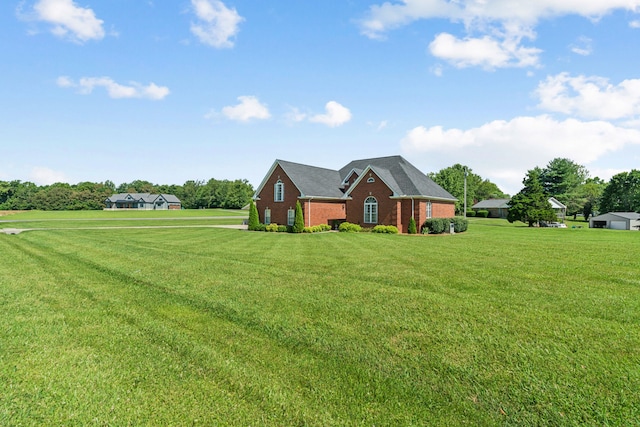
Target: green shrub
460, 224
388, 229
412, 226
273, 227
435, 226
471, 213
259, 227
317, 228
348, 227
441, 225
482, 214
284, 229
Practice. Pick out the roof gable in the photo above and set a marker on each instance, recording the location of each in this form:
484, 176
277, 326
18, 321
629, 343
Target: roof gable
311, 181
402, 178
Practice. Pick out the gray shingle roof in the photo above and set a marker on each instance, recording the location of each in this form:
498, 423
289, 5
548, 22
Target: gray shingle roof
626, 215
402, 177
145, 197
492, 204
312, 180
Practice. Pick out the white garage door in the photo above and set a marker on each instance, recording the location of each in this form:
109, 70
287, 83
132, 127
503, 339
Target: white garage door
618, 225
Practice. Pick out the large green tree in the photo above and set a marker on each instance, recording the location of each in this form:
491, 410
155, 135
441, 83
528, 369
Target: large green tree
531, 205
452, 180
622, 193
592, 191
563, 179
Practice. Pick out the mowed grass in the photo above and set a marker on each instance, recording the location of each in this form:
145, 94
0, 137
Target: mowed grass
121, 218
500, 325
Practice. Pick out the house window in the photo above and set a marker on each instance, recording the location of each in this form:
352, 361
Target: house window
267, 216
278, 192
371, 210
428, 209
371, 179
291, 216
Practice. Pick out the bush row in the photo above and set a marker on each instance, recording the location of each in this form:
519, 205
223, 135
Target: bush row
441, 225
317, 228
277, 228
347, 227
388, 229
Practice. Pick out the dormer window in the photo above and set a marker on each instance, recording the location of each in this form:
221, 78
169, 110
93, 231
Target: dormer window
278, 192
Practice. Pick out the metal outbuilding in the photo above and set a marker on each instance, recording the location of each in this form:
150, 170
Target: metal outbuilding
616, 221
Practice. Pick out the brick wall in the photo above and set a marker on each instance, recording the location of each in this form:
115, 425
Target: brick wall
316, 212
278, 209
387, 208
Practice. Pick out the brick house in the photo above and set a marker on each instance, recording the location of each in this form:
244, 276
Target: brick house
384, 190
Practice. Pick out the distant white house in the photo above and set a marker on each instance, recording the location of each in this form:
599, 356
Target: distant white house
499, 208
616, 221
143, 201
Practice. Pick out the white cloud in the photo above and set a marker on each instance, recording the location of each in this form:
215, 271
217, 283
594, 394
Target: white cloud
590, 97
335, 115
44, 176
495, 28
583, 47
115, 90
294, 115
249, 108
486, 52
634, 23
504, 150
476, 13
217, 24
68, 20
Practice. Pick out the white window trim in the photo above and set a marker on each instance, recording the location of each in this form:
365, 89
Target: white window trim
291, 217
429, 209
278, 191
267, 216
370, 210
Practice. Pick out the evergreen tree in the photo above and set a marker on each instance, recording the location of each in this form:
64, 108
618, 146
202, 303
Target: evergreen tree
531, 205
412, 226
298, 224
254, 220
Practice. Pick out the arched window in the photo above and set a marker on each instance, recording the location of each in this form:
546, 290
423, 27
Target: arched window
371, 210
278, 192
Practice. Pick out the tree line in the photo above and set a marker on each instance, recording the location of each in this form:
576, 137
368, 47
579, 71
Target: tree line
194, 194
565, 180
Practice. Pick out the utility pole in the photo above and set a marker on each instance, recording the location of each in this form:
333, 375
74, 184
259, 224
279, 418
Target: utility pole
465, 191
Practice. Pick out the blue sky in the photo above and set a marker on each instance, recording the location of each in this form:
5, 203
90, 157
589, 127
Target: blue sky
196, 89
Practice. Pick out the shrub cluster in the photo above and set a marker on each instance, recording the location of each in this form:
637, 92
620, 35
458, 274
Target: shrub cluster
348, 227
317, 228
388, 229
482, 214
441, 225
471, 213
277, 228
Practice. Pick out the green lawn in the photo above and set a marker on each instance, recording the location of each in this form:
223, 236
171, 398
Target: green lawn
111, 218
500, 325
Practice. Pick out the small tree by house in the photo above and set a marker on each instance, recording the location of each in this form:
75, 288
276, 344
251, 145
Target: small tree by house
254, 220
298, 224
412, 226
